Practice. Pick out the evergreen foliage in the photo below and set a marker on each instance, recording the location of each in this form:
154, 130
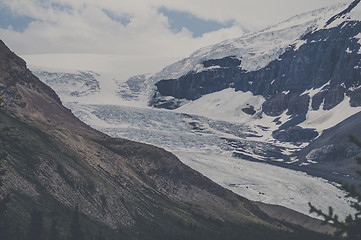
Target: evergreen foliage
350, 228
4, 225
76, 232
2, 171
100, 235
36, 228
54, 231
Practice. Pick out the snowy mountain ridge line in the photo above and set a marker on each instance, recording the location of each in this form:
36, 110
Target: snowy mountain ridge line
351, 13
256, 50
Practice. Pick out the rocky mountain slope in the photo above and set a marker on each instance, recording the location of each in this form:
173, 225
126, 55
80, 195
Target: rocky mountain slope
298, 78
22, 91
55, 162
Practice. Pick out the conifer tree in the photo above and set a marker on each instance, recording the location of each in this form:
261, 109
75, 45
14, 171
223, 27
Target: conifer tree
54, 231
75, 228
4, 199
36, 228
100, 235
350, 228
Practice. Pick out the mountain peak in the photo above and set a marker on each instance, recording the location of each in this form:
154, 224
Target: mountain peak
24, 92
13, 72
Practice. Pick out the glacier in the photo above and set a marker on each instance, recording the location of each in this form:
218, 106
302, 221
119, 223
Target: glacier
214, 147
211, 134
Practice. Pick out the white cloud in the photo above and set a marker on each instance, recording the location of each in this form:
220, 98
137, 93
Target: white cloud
88, 29
85, 28
250, 14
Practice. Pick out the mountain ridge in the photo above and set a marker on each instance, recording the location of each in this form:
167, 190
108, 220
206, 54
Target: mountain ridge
24, 92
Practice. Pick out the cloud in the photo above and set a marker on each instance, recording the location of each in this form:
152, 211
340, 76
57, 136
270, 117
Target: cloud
250, 14
16, 23
137, 27
179, 20
108, 28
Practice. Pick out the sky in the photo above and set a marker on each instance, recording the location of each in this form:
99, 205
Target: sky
161, 29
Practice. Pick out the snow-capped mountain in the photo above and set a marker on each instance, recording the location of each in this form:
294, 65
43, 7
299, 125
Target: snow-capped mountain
288, 95
255, 50
279, 63
72, 84
295, 79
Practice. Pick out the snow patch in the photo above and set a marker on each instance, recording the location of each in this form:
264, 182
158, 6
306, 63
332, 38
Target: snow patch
325, 119
358, 36
225, 105
253, 180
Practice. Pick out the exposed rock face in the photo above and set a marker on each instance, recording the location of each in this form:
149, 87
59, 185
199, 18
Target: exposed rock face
13, 71
227, 62
275, 105
249, 110
194, 85
295, 134
24, 92
355, 96
333, 97
317, 99
329, 56
333, 152
298, 104
166, 102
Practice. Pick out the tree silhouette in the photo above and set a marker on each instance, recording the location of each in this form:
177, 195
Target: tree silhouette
36, 228
54, 231
3, 155
100, 235
4, 200
350, 228
75, 228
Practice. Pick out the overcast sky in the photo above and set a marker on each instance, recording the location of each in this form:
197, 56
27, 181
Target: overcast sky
159, 28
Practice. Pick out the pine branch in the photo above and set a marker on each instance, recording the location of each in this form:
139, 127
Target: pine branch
329, 218
350, 228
